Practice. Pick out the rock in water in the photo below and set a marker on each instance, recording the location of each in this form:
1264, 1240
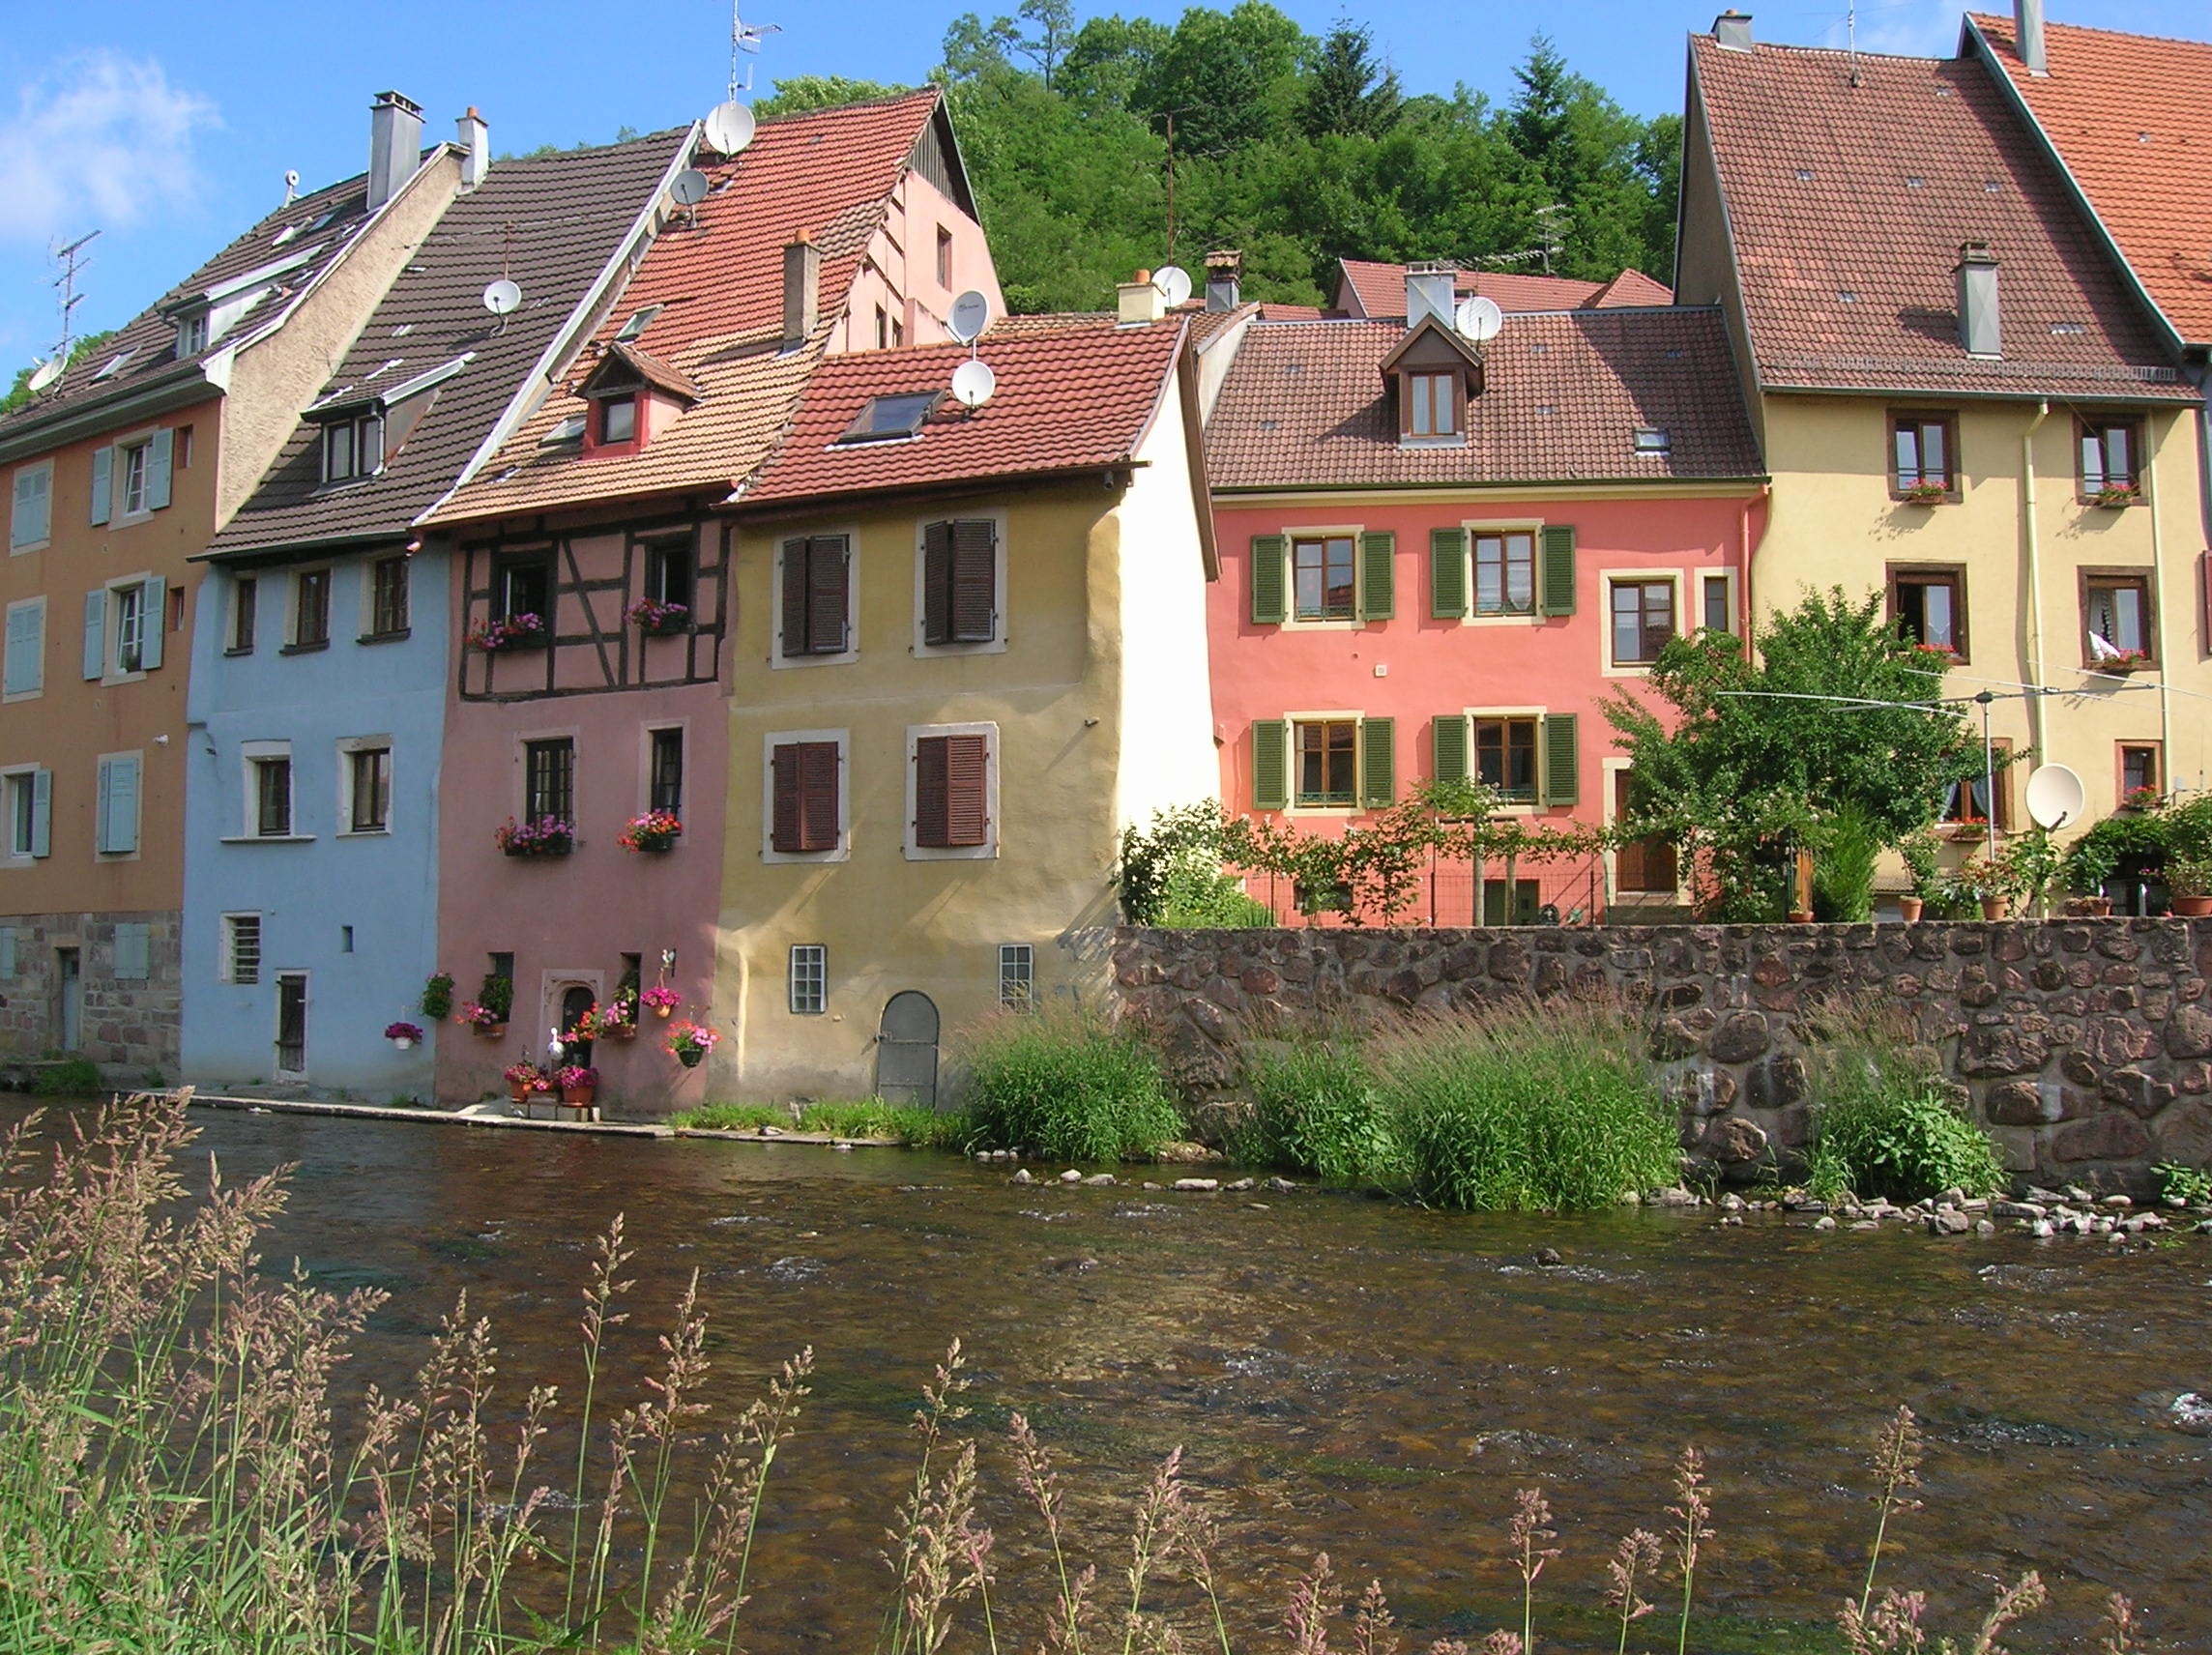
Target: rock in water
1549, 1257
1199, 1187
1022, 1176
2191, 1412
1071, 1176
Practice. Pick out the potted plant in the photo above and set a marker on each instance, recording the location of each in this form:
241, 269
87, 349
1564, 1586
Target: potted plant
658, 620
475, 1015
2141, 799
662, 999
1922, 866
688, 1043
1925, 494
1988, 883
2189, 884
547, 836
402, 1035
2030, 864
655, 831
2089, 861
437, 996
576, 1081
525, 1079
521, 631
2114, 495
2124, 662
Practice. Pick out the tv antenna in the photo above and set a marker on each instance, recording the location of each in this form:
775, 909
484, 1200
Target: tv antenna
291, 186
67, 257
688, 189
745, 39
1551, 240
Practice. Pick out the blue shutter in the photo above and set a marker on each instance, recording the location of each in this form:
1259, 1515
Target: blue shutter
102, 791
118, 824
26, 649
154, 618
157, 453
42, 813
133, 949
95, 632
103, 482
7, 950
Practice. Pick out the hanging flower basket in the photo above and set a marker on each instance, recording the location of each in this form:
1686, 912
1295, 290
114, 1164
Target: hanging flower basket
482, 1019
402, 1035
658, 620
547, 836
688, 1043
652, 833
663, 1001
509, 632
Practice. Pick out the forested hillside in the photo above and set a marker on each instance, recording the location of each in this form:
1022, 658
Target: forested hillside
1107, 144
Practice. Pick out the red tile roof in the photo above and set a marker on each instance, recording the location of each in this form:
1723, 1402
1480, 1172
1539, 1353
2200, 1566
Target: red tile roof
1564, 393
719, 281
1849, 204
1380, 289
1630, 287
2131, 117
1078, 401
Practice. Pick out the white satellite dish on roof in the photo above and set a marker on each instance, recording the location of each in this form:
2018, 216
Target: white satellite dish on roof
1174, 284
688, 187
1477, 318
974, 382
503, 297
45, 374
971, 314
2055, 796
729, 128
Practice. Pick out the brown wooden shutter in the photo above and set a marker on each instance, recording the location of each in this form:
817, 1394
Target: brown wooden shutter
937, 583
828, 584
974, 580
951, 791
794, 597
805, 796
786, 832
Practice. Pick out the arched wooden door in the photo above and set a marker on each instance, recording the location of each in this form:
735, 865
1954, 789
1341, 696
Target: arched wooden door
574, 1002
906, 1050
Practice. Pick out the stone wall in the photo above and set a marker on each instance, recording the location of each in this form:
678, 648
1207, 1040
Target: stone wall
127, 1025
2085, 1045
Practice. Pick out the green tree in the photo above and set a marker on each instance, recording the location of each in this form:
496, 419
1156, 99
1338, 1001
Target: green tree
20, 393
1227, 80
804, 92
1346, 91
1839, 718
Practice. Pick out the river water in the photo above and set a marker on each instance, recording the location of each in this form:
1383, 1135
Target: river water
1343, 1374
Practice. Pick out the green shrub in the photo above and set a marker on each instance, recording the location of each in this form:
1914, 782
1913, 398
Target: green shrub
1193, 899
731, 1116
2179, 1182
1532, 1107
1844, 867
72, 1075
1315, 1110
873, 1118
1066, 1085
1881, 1125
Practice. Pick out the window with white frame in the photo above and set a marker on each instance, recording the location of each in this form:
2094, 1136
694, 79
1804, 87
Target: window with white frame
240, 949
31, 511
365, 778
25, 673
191, 334
1017, 976
136, 460
1716, 605
353, 449
126, 611
27, 798
130, 479
269, 790
810, 979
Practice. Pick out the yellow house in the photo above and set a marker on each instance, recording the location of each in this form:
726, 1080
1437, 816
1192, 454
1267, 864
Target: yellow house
971, 649
1962, 401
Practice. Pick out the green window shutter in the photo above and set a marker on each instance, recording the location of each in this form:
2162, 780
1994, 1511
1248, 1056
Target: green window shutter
1557, 578
7, 950
1448, 573
1447, 737
1377, 570
1561, 760
158, 454
95, 632
102, 480
1271, 765
153, 621
1269, 602
1378, 763
43, 813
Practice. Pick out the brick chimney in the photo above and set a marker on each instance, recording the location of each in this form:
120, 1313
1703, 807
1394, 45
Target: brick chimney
394, 145
801, 290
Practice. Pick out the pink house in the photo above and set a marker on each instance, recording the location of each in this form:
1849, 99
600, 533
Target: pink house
598, 576
1441, 558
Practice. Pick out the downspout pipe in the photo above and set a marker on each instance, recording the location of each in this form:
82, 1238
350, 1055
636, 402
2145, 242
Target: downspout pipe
2032, 547
2160, 618
1744, 607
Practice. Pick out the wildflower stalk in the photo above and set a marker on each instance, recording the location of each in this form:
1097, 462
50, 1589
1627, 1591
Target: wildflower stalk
1692, 1528
1531, 1523
1898, 1453
598, 1295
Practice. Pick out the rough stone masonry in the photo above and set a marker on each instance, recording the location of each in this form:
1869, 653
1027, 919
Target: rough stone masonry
2085, 1045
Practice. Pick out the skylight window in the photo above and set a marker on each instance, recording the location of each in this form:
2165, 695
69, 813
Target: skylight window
1653, 440
570, 430
115, 363
284, 235
884, 418
639, 320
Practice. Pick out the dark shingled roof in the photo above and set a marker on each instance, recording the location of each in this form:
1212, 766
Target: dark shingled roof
1564, 395
550, 223
1848, 205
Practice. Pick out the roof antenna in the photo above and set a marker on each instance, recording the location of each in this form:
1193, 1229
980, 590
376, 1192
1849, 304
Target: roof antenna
1852, 37
744, 40
291, 187
71, 263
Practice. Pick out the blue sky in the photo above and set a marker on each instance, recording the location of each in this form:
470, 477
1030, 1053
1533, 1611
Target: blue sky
169, 126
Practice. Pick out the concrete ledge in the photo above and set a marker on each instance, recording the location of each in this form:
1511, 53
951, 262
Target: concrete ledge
788, 1135
429, 1117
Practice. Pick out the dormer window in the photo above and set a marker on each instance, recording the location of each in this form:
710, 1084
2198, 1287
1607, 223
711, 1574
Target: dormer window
1431, 372
632, 397
618, 419
353, 449
191, 334
1433, 409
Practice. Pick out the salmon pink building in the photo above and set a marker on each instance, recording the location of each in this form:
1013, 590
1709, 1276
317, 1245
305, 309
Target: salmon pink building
1442, 557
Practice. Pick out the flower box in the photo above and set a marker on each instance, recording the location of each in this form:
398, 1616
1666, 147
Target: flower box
509, 632
2123, 663
658, 620
652, 833
1925, 494
547, 836
2113, 499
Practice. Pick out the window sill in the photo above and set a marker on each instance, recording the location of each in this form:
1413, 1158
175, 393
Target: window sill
1949, 498
10, 699
844, 657
1455, 440
136, 676
239, 649
26, 550
303, 648
383, 637
268, 839
363, 833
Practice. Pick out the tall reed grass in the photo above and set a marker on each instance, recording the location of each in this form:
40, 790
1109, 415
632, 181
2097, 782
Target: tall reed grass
1065, 1084
1882, 1126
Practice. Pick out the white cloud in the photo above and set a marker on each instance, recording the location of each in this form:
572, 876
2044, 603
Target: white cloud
100, 142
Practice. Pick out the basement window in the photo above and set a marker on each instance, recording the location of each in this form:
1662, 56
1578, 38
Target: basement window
887, 418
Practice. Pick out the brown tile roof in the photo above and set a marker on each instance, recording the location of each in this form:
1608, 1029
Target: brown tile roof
1078, 400
321, 225
1630, 287
1564, 395
2128, 116
1849, 204
651, 370
1380, 289
550, 222
827, 173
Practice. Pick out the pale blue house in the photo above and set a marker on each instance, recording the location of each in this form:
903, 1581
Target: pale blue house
323, 647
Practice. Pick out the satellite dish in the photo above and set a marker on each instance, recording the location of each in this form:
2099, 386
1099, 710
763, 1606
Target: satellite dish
45, 374
729, 128
974, 382
971, 314
1478, 318
2055, 796
1174, 284
689, 187
502, 297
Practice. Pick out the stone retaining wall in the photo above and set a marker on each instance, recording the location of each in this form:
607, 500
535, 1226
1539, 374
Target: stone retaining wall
2085, 1045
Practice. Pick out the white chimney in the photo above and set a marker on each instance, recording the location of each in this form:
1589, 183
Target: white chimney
2027, 31
474, 139
1977, 274
1139, 301
394, 145
1428, 293
1731, 30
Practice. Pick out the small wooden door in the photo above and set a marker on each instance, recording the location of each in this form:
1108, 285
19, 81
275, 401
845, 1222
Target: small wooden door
292, 1023
906, 1050
1646, 865
574, 1005
69, 967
